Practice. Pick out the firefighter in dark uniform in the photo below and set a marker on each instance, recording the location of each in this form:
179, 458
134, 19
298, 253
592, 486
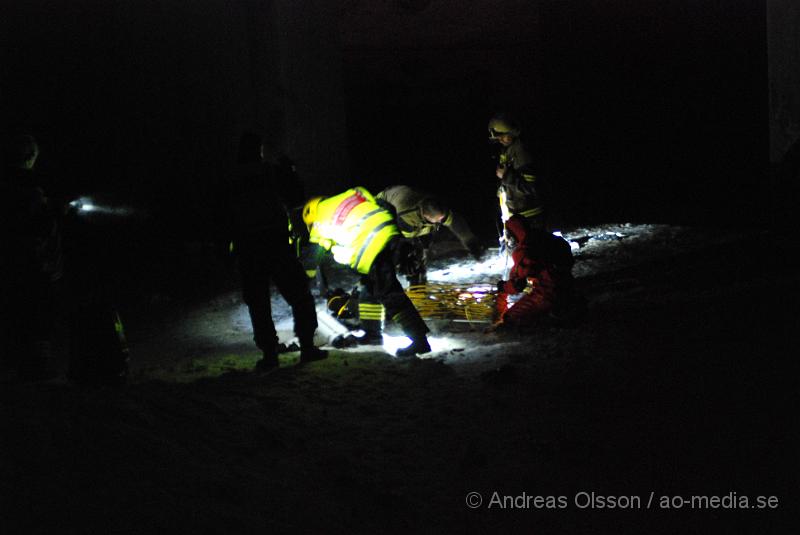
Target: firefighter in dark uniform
363, 235
257, 197
31, 263
521, 191
418, 215
523, 195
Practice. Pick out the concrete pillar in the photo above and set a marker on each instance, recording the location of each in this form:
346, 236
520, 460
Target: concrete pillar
783, 38
310, 74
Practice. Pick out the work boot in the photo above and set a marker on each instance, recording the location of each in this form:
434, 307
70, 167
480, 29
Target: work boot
414, 327
268, 363
311, 354
283, 348
342, 341
418, 345
370, 338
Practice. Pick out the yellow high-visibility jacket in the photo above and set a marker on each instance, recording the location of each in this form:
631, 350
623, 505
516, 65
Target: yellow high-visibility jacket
353, 227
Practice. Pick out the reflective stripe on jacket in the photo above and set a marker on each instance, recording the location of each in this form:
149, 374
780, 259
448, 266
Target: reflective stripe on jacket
353, 227
520, 192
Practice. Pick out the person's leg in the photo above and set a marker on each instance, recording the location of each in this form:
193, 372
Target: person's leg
370, 313
291, 280
254, 269
43, 302
16, 336
530, 307
398, 306
32, 329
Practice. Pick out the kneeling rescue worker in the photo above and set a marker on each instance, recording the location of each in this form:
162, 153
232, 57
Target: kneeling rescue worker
361, 234
540, 282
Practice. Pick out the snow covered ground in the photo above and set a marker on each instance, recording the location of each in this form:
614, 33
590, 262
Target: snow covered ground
219, 328
679, 381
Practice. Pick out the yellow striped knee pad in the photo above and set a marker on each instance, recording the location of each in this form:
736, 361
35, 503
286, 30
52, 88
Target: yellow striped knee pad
371, 311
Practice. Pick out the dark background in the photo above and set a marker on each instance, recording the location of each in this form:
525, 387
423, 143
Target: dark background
671, 111
643, 111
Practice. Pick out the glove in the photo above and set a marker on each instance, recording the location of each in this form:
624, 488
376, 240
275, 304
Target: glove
400, 255
409, 262
520, 284
512, 286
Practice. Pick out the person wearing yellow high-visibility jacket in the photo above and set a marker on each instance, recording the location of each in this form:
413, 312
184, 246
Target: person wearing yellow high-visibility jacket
363, 235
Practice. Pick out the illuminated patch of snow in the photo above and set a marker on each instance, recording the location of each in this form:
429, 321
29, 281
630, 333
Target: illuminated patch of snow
223, 324
489, 269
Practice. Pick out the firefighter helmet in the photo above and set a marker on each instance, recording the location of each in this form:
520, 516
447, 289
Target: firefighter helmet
310, 210
503, 124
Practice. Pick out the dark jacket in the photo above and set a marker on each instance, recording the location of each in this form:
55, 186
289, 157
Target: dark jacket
257, 197
407, 204
521, 188
30, 233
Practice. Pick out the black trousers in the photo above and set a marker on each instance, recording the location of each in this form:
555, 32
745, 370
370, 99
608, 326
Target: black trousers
265, 259
29, 302
381, 286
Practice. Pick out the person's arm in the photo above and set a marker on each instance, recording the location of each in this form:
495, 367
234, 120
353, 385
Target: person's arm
523, 180
459, 227
518, 172
518, 277
311, 258
386, 205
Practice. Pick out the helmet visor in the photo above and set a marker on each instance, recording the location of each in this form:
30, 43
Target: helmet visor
495, 133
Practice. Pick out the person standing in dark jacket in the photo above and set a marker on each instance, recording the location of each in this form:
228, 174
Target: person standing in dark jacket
257, 197
31, 263
526, 197
521, 191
